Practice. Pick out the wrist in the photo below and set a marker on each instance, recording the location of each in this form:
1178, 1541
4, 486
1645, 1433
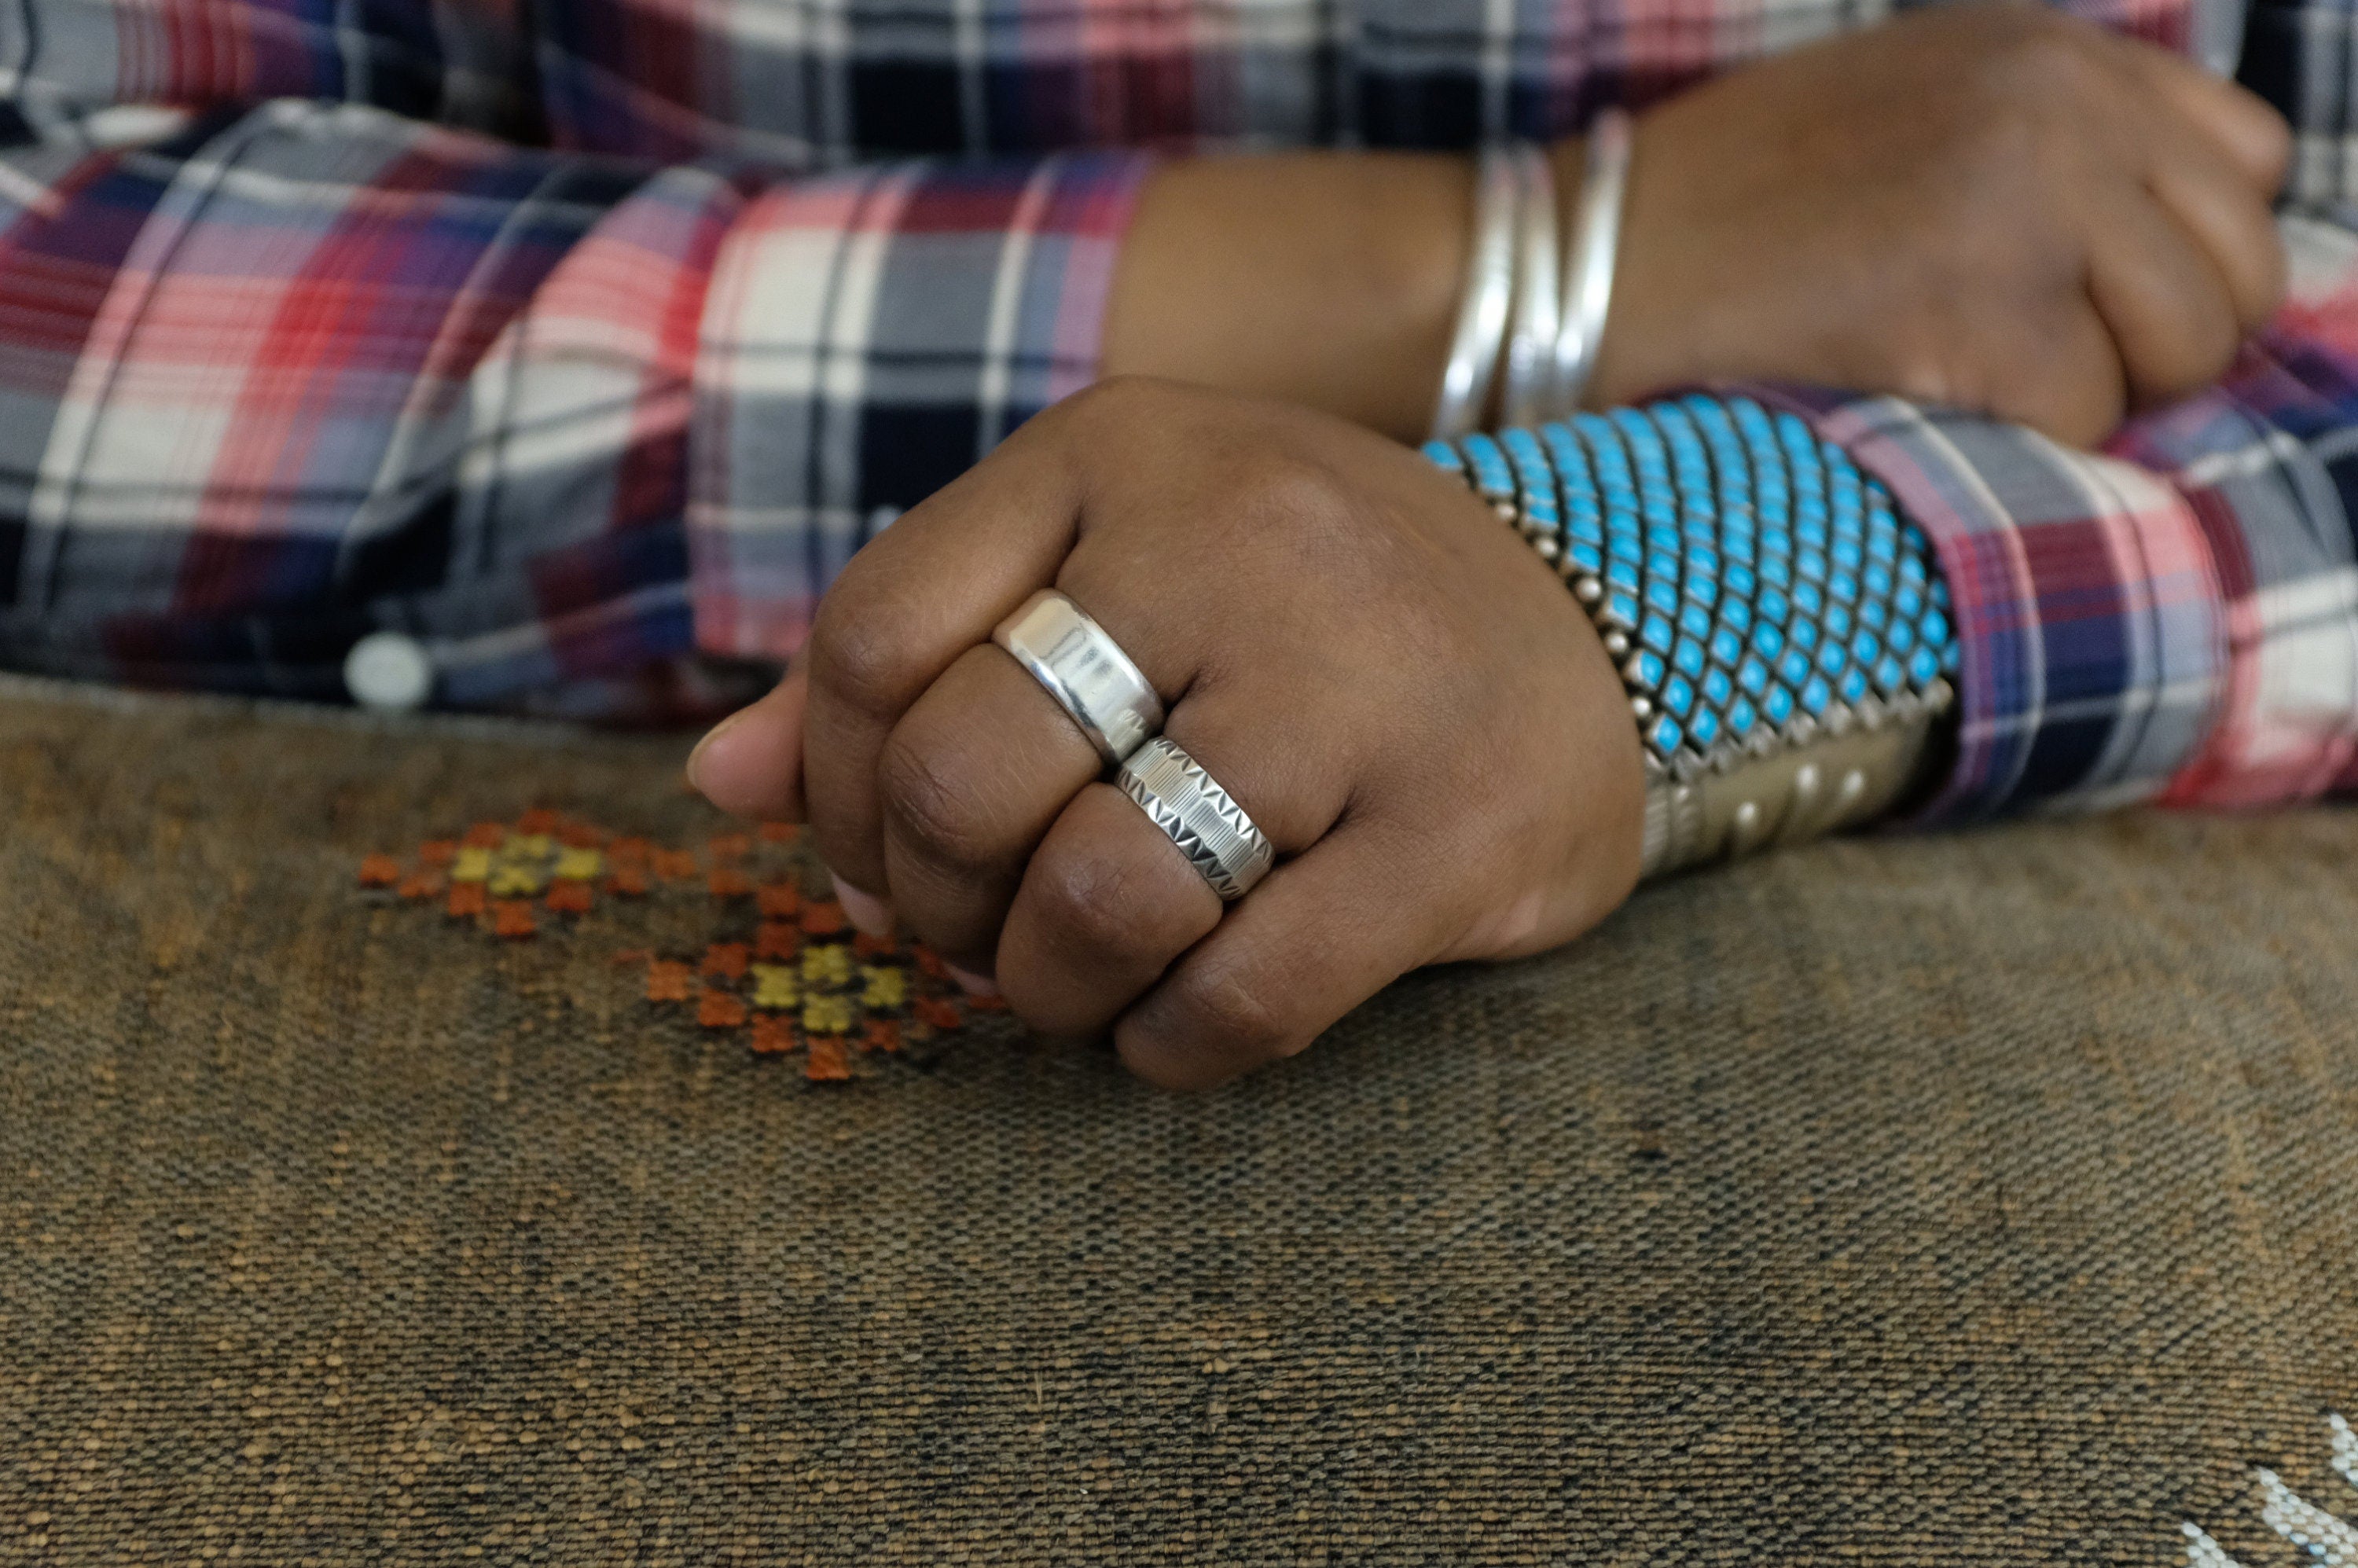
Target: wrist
1325, 280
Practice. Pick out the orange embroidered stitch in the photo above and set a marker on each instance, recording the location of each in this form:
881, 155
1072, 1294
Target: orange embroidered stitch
794, 975
828, 1063
569, 898
668, 980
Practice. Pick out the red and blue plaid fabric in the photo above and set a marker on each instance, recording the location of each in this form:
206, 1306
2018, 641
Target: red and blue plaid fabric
585, 339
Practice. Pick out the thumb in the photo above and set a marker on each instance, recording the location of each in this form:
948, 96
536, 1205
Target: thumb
750, 764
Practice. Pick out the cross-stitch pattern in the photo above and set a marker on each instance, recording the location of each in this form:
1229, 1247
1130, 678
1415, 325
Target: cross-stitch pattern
780, 966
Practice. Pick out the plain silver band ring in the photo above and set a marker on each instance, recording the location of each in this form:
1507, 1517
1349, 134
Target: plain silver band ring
1085, 671
1203, 820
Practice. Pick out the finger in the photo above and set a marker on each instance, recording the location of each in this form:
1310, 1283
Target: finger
2243, 125
751, 764
2062, 373
919, 596
969, 782
1106, 903
1319, 937
2227, 215
2163, 301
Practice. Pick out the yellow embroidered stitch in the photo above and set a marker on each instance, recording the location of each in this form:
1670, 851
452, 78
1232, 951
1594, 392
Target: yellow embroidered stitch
580, 865
827, 1014
515, 881
472, 865
826, 966
775, 984
883, 986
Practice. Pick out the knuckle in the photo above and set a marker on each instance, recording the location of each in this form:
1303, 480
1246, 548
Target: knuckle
1226, 1007
1289, 490
1092, 902
928, 808
858, 658
1116, 400
2037, 56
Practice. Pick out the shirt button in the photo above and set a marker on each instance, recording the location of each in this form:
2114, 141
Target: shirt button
389, 672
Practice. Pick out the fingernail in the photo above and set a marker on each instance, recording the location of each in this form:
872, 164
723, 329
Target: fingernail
696, 758
870, 913
973, 984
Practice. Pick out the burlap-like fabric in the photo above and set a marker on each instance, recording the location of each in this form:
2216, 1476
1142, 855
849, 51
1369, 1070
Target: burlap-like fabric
1979, 1200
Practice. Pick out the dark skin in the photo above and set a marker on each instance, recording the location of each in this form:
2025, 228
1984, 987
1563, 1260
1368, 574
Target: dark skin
1982, 205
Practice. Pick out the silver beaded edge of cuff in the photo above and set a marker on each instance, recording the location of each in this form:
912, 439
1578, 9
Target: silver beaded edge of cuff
1781, 631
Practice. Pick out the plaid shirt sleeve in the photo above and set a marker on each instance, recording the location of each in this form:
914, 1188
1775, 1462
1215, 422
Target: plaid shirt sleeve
2174, 620
291, 374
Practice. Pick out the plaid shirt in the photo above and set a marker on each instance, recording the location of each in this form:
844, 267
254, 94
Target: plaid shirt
585, 339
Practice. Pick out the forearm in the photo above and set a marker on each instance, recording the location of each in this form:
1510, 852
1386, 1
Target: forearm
1329, 280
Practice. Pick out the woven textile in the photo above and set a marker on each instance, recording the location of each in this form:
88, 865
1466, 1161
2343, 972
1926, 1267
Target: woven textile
1957, 1200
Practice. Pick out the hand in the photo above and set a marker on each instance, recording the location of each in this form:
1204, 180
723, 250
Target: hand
1992, 206
1403, 696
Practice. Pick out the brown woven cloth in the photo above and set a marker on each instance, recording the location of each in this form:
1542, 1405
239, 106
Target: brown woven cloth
1980, 1200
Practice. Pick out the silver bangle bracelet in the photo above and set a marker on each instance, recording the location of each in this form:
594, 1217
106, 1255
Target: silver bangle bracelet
1482, 313
1535, 333
1596, 249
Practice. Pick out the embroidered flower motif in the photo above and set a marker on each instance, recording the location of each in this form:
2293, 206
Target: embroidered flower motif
2323, 1538
780, 966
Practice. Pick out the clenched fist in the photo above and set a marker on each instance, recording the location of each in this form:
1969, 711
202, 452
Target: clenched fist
1401, 695
1992, 206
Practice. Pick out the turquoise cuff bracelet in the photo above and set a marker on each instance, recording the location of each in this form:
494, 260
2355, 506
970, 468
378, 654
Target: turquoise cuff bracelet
1782, 632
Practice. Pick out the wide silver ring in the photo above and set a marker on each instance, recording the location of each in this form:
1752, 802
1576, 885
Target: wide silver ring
1085, 671
1210, 828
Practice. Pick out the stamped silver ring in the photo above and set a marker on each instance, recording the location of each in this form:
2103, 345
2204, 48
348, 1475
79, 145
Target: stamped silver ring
1085, 671
1210, 828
